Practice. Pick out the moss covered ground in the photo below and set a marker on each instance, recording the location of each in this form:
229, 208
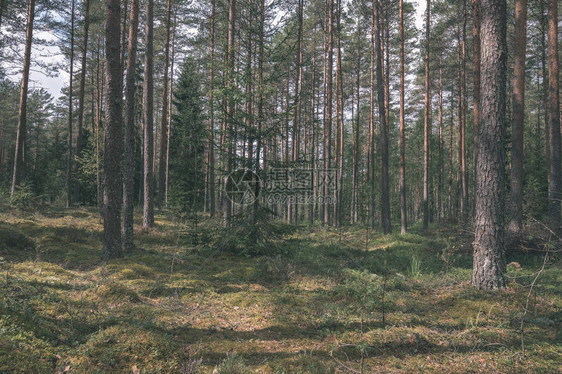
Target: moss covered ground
314, 300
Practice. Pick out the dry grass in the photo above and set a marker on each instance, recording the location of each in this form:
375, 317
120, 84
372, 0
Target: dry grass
313, 305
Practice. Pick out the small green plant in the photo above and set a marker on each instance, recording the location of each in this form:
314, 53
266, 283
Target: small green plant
473, 322
232, 364
23, 197
414, 270
11, 240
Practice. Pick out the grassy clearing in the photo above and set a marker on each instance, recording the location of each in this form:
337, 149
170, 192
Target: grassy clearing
315, 301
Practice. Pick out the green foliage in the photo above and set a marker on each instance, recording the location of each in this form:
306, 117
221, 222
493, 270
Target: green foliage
314, 306
232, 364
187, 143
23, 197
362, 290
415, 266
11, 240
246, 238
87, 173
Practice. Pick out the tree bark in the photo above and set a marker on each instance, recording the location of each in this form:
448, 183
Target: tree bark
164, 117
1, 11
327, 154
211, 145
356, 138
440, 119
489, 257
170, 107
148, 120
371, 147
81, 95
129, 153
518, 124
340, 124
476, 85
402, 182
555, 182
21, 132
229, 133
427, 124
100, 90
113, 138
70, 127
464, 109
385, 195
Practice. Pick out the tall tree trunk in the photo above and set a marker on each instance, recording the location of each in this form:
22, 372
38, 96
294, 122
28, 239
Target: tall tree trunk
489, 256
371, 148
148, 119
458, 197
100, 90
451, 130
340, 125
555, 182
464, 169
327, 154
170, 107
427, 125
164, 117
2, 148
113, 137
69, 159
123, 38
440, 115
385, 193
21, 132
129, 150
356, 141
260, 96
313, 139
476, 87
402, 182
227, 204
211, 145
518, 124
81, 95
385, 28
545, 82
292, 216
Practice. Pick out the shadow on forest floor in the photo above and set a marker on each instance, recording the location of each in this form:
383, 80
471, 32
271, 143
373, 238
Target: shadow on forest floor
317, 300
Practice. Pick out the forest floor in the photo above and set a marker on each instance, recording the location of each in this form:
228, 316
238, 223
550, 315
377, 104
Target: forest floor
315, 300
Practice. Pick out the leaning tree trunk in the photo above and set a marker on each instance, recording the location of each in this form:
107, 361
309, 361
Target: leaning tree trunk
113, 138
555, 182
129, 154
518, 124
489, 257
148, 118
19, 158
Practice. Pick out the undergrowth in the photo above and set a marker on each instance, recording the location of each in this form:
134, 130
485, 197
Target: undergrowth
266, 298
